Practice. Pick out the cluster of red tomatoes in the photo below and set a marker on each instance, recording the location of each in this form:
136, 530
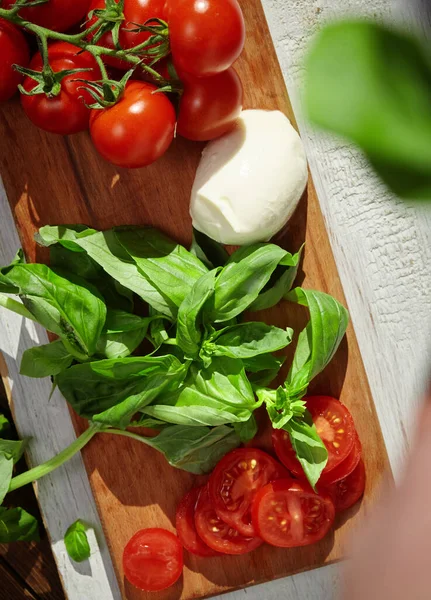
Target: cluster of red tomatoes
251, 498
206, 37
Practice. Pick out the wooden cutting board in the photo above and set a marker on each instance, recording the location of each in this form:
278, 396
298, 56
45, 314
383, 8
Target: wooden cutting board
53, 180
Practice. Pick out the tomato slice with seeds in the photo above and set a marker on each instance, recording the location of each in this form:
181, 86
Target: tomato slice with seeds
348, 491
345, 467
186, 528
287, 513
217, 534
335, 426
236, 480
153, 559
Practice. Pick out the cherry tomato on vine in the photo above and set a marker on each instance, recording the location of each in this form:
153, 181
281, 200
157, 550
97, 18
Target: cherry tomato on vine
216, 533
66, 112
346, 492
334, 425
135, 11
235, 481
186, 528
287, 513
59, 15
13, 51
209, 106
206, 37
153, 559
137, 130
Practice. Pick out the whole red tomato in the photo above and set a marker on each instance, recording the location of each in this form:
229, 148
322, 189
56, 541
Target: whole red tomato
13, 50
59, 15
207, 36
137, 130
65, 113
210, 106
135, 11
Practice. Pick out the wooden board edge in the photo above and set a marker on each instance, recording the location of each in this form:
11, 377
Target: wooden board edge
65, 495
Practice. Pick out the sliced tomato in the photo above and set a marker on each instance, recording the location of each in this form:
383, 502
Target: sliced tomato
236, 480
347, 491
186, 528
153, 559
287, 513
345, 467
335, 426
217, 534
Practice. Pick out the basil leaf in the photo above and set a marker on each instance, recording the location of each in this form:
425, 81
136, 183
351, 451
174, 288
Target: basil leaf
211, 253
68, 309
6, 470
168, 265
247, 340
309, 448
263, 369
148, 423
13, 449
244, 276
280, 282
76, 541
372, 85
45, 360
17, 525
246, 431
319, 341
123, 333
105, 249
195, 449
216, 395
5, 286
5, 428
111, 391
189, 333
158, 331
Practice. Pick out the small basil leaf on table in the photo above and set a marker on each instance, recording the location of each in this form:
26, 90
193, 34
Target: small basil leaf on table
319, 341
189, 330
280, 282
45, 360
247, 340
69, 309
242, 278
111, 391
309, 448
76, 541
168, 265
105, 249
215, 395
6, 470
195, 449
17, 525
211, 253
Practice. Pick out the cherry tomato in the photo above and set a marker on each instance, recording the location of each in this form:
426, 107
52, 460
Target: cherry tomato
347, 491
153, 559
13, 51
137, 130
216, 533
186, 528
65, 113
236, 480
59, 15
135, 11
207, 36
210, 106
288, 513
334, 425
345, 467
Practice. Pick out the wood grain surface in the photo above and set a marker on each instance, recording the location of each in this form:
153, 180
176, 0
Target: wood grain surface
52, 180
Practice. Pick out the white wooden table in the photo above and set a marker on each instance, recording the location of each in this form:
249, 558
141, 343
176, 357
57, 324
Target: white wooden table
383, 251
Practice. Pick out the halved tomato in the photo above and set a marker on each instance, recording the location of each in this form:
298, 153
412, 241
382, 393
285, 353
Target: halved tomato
346, 492
335, 426
236, 480
186, 528
344, 468
287, 513
216, 533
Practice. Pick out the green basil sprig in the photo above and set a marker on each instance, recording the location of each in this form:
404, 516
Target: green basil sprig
76, 541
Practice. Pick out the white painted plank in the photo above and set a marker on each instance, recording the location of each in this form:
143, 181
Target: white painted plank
65, 495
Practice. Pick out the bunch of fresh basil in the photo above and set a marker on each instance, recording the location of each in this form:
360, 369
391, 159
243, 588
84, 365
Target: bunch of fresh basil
204, 371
